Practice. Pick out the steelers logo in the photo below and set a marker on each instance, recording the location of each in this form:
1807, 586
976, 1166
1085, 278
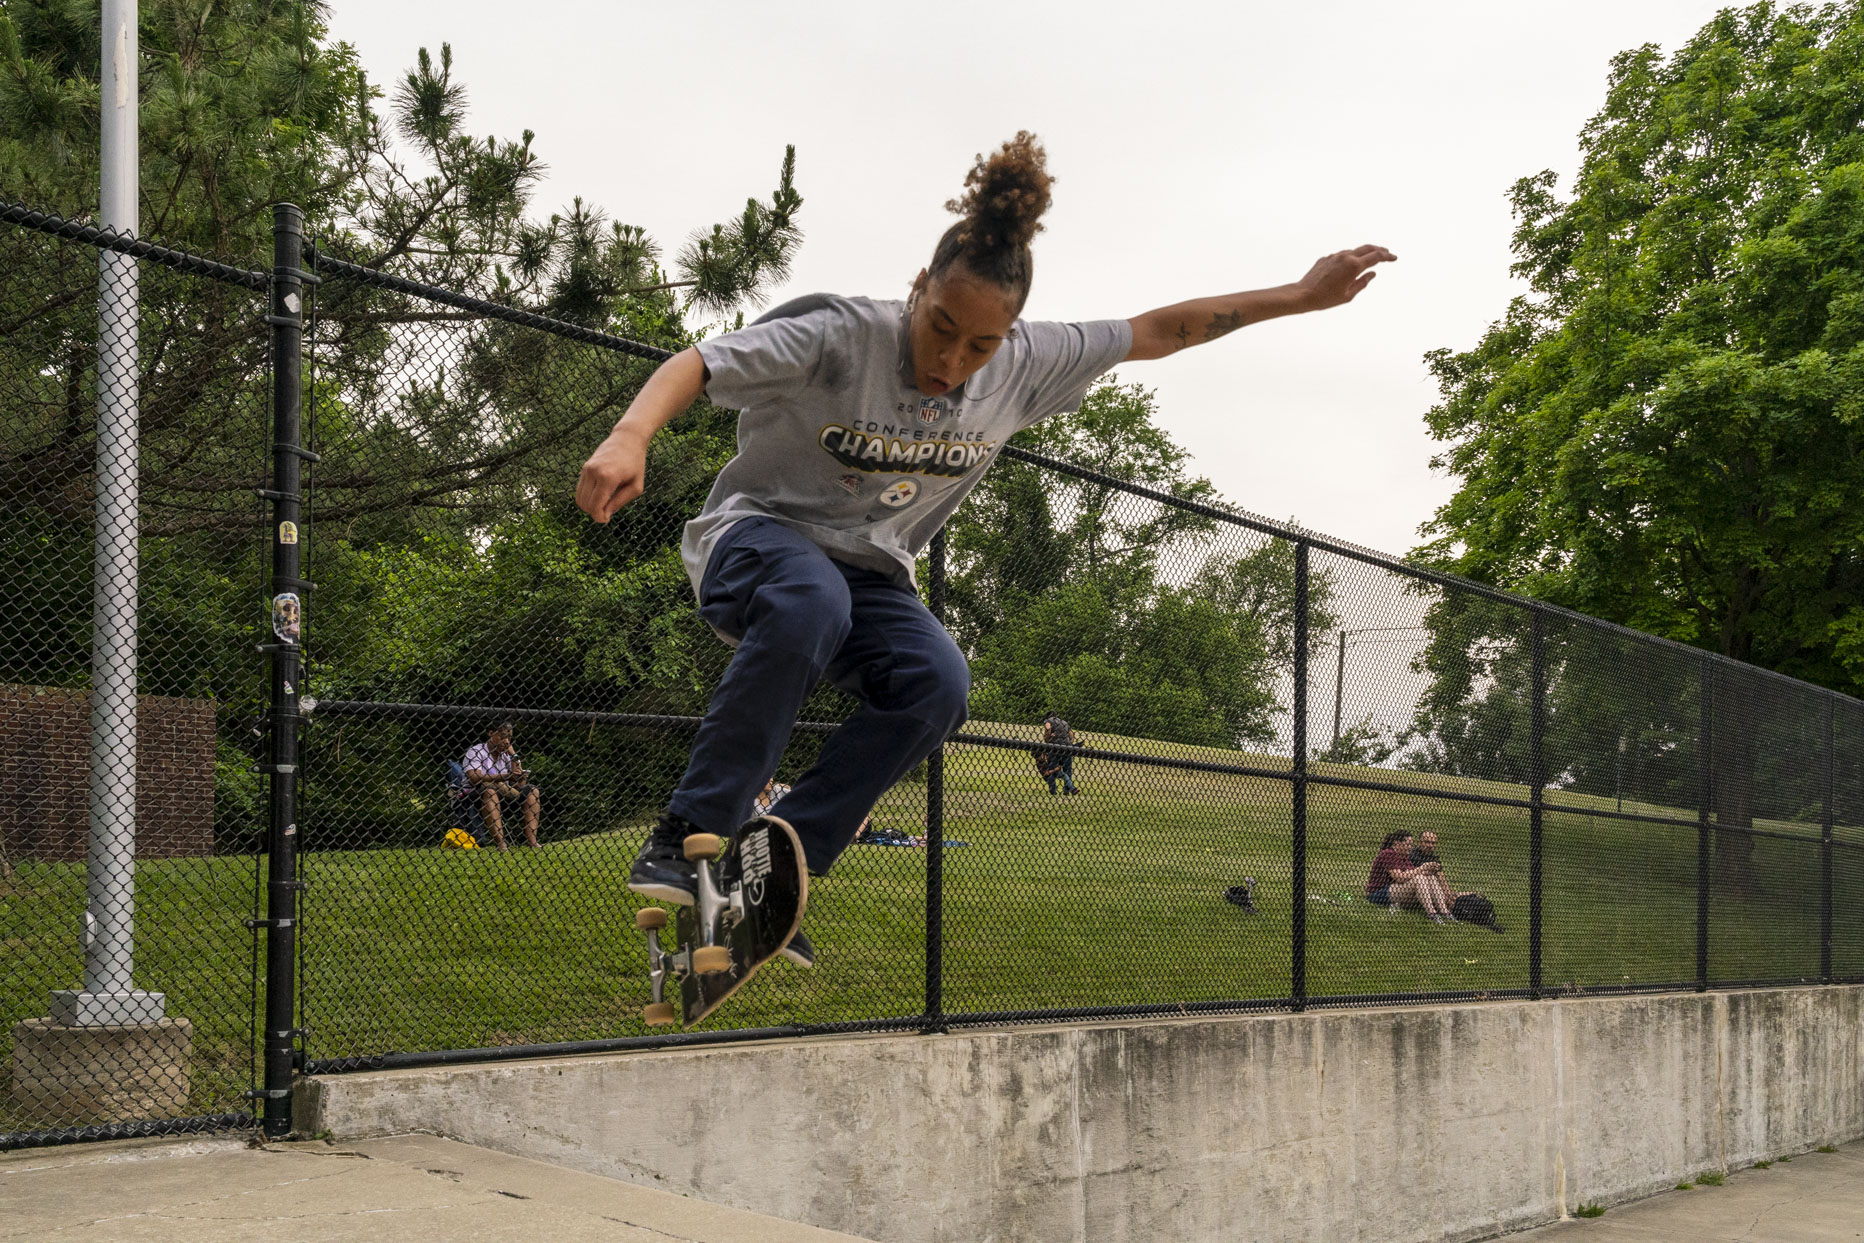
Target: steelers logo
900, 493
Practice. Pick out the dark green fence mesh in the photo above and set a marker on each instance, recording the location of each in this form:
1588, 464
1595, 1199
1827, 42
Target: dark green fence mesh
1253, 713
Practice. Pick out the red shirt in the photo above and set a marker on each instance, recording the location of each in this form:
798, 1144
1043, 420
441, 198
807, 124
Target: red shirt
1390, 860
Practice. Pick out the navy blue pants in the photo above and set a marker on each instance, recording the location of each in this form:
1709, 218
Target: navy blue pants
800, 616
1063, 774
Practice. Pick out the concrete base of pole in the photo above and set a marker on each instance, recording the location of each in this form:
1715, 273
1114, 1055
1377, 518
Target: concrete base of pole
77, 1008
102, 1073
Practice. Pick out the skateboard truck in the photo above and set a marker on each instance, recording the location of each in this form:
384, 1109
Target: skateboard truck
724, 935
711, 907
715, 914
660, 965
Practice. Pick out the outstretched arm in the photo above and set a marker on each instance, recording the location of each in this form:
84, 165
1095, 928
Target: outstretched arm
1333, 281
616, 472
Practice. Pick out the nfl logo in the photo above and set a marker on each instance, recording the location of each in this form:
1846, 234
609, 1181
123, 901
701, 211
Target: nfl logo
931, 409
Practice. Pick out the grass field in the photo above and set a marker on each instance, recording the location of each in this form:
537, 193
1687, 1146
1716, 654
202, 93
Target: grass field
1110, 898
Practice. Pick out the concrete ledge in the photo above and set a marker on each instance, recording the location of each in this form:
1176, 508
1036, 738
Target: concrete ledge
1446, 1124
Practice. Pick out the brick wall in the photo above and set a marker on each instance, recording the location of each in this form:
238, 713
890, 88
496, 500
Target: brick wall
45, 749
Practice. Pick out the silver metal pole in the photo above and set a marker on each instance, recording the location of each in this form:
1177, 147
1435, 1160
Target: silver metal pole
109, 994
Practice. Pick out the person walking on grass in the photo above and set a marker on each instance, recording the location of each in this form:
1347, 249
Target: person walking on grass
1056, 766
863, 423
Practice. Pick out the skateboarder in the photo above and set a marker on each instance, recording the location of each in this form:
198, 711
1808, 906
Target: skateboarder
863, 424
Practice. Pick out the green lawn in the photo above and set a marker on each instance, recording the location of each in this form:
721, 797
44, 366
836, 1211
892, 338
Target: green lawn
1110, 898
192, 944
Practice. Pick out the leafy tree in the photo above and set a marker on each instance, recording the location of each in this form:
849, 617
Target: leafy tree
1257, 585
1362, 745
1171, 666
244, 104
1666, 430
1026, 530
1472, 719
446, 439
1124, 615
248, 104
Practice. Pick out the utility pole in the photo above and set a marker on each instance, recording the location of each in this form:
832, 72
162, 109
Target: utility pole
107, 1052
1339, 691
1339, 671
109, 995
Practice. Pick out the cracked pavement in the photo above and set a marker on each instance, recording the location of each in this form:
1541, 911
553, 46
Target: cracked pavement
425, 1187
419, 1186
1816, 1197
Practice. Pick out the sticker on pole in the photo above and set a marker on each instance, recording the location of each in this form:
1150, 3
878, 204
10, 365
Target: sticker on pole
287, 616
287, 532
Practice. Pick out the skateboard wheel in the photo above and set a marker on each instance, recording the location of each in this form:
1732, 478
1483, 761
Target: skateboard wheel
708, 959
648, 918
658, 1014
703, 846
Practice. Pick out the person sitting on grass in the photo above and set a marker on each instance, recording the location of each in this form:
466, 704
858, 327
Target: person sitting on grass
1395, 883
768, 796
1426, 852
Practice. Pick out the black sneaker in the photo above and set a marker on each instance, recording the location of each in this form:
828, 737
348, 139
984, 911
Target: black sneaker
799, 951
661, 871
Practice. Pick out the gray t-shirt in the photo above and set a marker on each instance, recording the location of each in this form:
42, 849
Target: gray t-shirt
836, 443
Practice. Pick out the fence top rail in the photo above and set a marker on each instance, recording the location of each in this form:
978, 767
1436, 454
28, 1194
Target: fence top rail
131, 245
328, 265
1395, 565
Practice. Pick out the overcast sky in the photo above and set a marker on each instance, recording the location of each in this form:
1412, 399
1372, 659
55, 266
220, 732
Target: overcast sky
1199, 149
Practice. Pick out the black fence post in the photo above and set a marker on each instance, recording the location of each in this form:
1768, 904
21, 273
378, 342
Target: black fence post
934, 1019
1827, 797
1537, 784
1297, 885
288, 590
1706, 781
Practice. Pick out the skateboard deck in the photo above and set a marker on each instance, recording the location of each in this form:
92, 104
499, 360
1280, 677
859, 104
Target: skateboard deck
724, 937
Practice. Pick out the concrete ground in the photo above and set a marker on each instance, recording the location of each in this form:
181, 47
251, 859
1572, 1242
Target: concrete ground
1817, 1197
408, 1186
215, 1190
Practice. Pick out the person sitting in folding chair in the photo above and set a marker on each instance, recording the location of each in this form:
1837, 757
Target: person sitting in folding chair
493, 769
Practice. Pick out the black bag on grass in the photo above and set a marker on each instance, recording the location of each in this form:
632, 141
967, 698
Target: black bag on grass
1473, 908
1242, 895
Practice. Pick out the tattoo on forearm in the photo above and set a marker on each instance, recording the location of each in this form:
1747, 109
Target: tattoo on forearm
1183, 334
1223, 325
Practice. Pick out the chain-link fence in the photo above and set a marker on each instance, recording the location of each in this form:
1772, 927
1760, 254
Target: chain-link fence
133, 408
1214, 763
1254, 714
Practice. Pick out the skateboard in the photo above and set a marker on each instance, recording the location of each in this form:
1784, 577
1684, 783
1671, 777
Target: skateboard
724, 937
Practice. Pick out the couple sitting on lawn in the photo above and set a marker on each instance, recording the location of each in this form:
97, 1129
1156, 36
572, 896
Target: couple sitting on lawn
1408, 876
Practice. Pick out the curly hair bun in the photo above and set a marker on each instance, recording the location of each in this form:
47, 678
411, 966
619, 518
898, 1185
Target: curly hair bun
1005, 196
